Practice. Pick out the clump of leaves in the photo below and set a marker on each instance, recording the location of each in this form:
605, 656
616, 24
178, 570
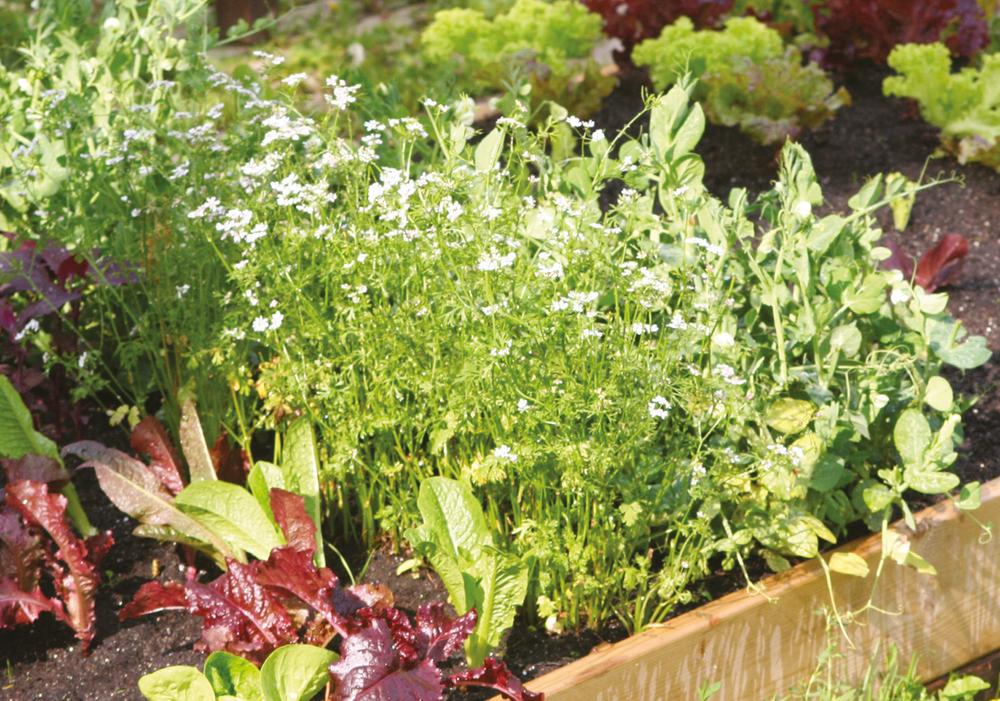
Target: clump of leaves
217, 517
479, 576
870, 29
964, 105
254, 609
631, 21
553, 46
749, 78
44, 565
290, 673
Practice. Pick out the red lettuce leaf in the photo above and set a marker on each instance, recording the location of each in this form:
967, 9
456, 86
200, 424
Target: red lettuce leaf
151, 438
35, 468
73, 567
21, 561
290, 513
941, 265
289, 571
375, 665
495, 675
869, 29
439, 635
231, 463
154, 597
631, 21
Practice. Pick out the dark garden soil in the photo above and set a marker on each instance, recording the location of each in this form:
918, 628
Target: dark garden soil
874, 135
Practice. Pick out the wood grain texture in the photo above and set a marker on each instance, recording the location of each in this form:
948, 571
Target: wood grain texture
757, 648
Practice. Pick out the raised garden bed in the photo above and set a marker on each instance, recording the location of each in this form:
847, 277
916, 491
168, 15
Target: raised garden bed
758, 644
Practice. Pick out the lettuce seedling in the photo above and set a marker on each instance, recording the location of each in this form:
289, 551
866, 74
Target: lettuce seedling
459, 545
290, 673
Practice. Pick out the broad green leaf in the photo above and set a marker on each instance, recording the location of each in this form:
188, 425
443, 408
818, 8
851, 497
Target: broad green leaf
664, 117
776, 562
789, 415
300, 468
193, 445
849, 563
488, 151
18, 436
263, 477
295, 672
928, 482
945, 334
970, 498
455, 530
178, 683
233, 676
502, 584
912, 436
233, 513
938, 394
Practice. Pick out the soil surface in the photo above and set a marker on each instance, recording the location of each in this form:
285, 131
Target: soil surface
875, 134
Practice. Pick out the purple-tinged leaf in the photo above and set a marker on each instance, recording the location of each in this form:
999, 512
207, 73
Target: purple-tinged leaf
440, 636
370, 669
138, 491
289, 571
74, 573
350, 600
290, 513
495, 675
942, 264
154, 597
19, 607
35, 468
151, 438
21, 560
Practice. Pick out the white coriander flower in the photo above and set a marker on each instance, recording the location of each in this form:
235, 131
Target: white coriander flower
659, 407
503, 452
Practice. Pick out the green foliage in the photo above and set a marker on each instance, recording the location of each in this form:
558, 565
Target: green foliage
290, 673
964, 105
637, 386
459, 544
884, 679
750, 79
551, 45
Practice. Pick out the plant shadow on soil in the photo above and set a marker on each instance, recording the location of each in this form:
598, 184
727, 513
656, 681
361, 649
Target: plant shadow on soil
875, 134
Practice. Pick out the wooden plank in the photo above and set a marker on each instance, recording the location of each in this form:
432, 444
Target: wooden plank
757, 648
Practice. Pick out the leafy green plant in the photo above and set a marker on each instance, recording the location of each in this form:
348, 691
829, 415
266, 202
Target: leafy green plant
460, 546
291, 673
963, 105
749, 78
551, 46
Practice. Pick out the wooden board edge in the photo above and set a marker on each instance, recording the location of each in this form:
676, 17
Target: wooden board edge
742, 604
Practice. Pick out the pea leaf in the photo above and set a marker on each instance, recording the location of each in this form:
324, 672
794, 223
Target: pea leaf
488, 151
930, 482
849, 563
912, 436
938, 394
970, 497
